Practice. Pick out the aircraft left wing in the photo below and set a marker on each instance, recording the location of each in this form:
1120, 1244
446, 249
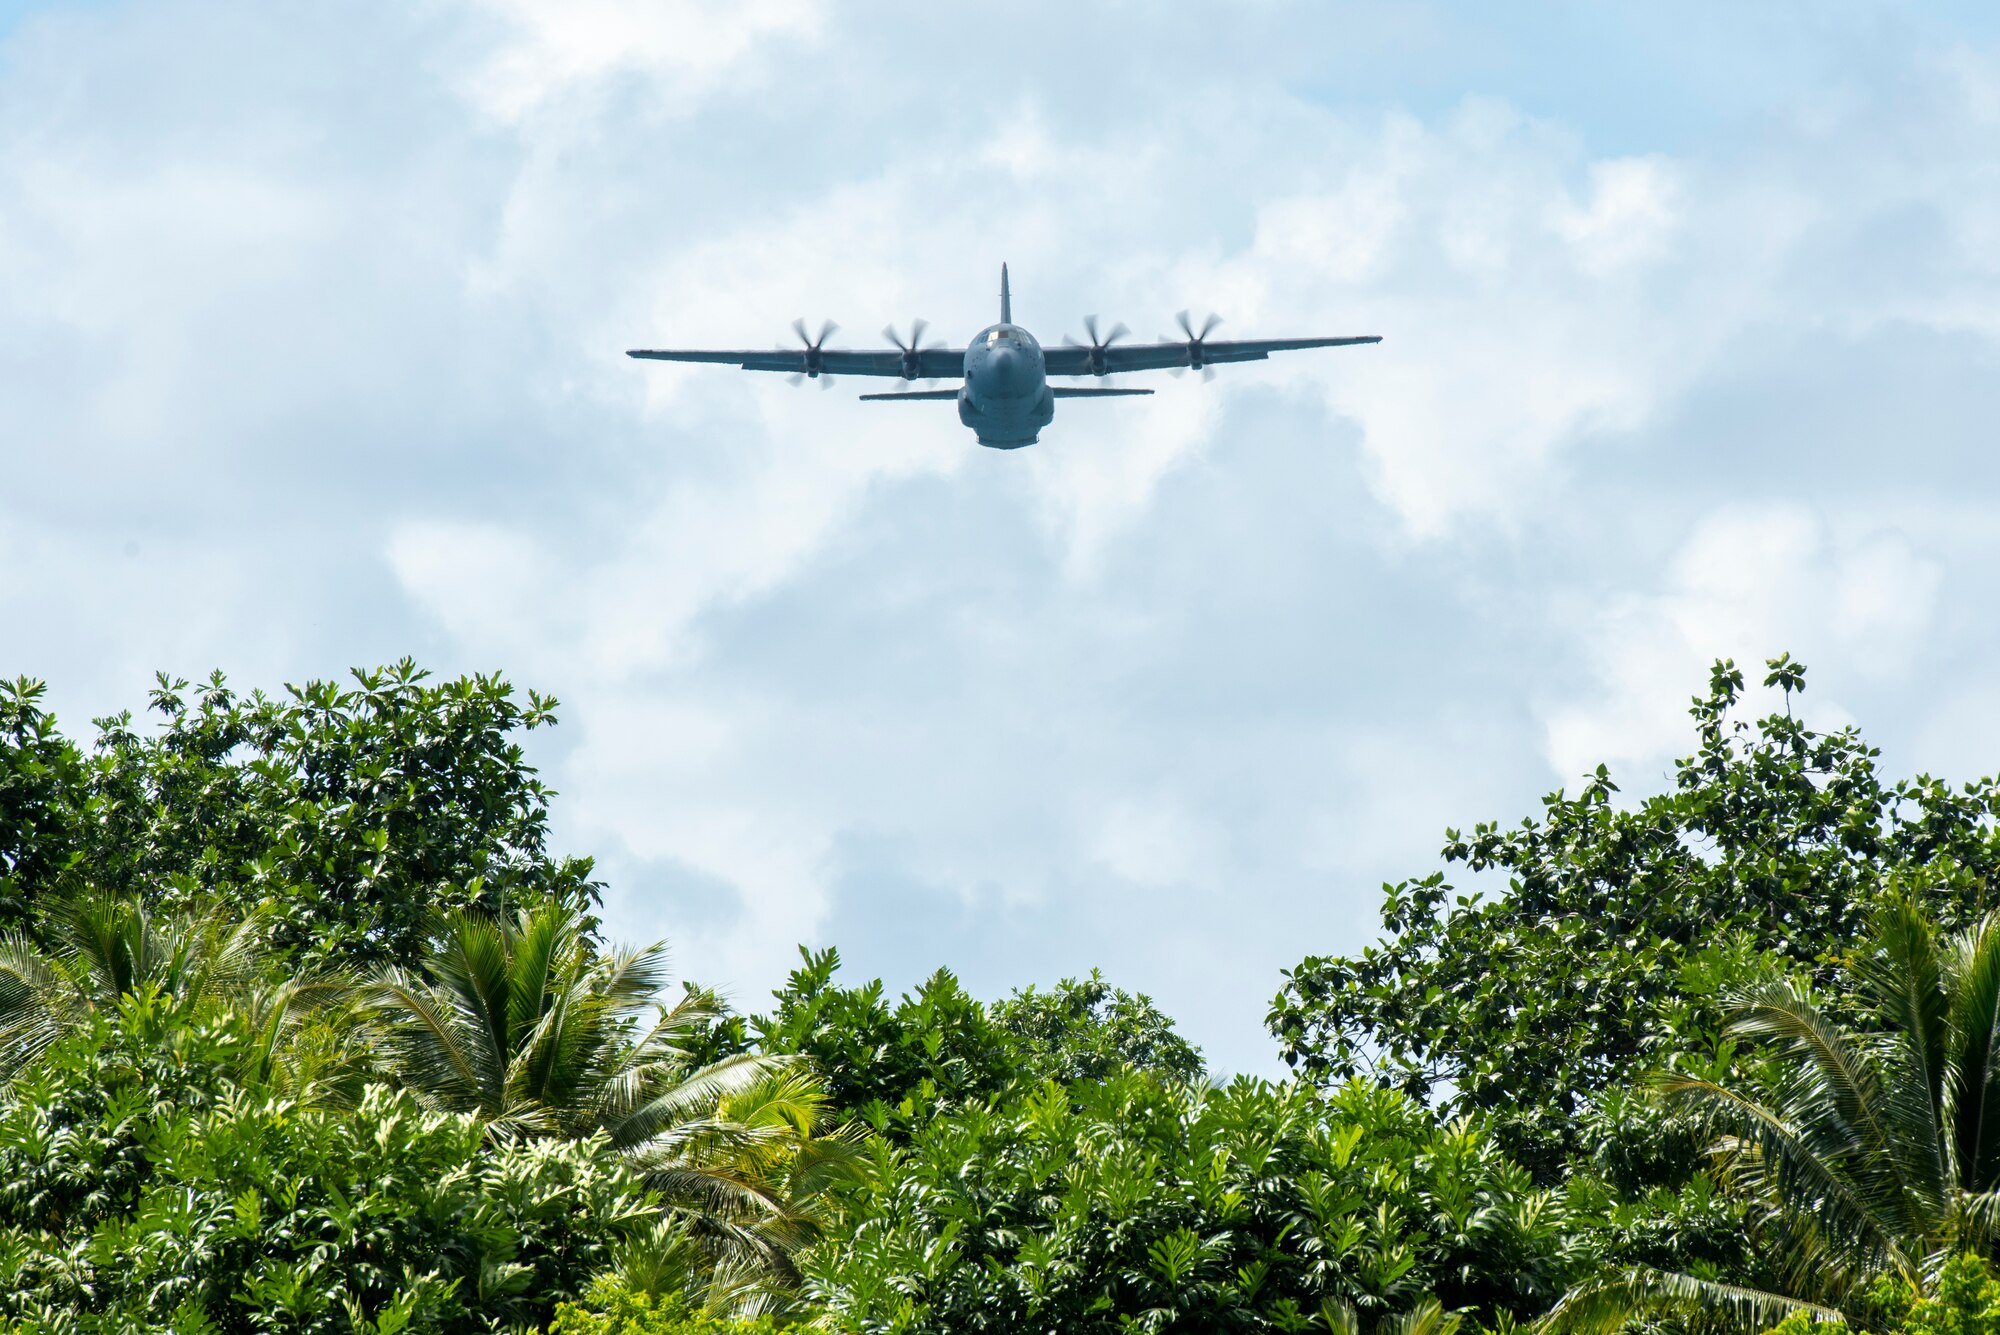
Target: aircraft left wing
927, 364
1164, 356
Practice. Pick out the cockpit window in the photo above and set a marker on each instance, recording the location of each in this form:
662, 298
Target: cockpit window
992, 337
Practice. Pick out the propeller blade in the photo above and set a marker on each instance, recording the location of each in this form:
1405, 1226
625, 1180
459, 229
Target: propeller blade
795, 379
916, 340
1207, 326
826, 330
1099, 342
1207, 374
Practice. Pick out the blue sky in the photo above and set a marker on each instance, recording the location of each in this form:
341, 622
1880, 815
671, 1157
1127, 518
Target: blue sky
310, 352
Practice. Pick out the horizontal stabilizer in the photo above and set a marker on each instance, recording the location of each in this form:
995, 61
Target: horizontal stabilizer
1078, 392
916, 394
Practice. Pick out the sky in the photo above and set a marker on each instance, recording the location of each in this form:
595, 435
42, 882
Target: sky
312, 322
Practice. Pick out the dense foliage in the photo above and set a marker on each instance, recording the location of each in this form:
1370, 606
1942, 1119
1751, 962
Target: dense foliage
1963, 1300
1774, 838
42, 777
1868, 1154
351, 815
1178, 1207
146, 1184
613, 1307
303, 1027
941, 1043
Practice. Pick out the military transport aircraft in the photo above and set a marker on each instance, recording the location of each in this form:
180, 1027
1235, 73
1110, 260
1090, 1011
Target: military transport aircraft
1006, 398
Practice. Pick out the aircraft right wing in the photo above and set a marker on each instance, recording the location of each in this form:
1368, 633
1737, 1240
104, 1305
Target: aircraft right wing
1165, 356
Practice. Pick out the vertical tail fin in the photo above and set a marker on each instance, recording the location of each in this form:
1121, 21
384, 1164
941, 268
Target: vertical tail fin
1006, 299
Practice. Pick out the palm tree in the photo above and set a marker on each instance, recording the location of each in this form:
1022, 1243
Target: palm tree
110, 948
523, 1022
1867, 1152
778, 1166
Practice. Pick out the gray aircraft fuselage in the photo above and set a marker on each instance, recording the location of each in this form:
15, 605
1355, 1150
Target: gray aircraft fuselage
1006, 398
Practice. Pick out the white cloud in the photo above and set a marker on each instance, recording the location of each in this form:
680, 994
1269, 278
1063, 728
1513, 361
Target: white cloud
546, 50
490, 588
1630, 217
1155, 842
1520, 313
1747, 584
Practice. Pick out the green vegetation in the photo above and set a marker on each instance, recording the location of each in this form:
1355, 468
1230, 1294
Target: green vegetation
1178, 1206
350, 815
304, 1028
1770, 847
613, 1307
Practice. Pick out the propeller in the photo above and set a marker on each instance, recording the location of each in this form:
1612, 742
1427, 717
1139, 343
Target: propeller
1097, 345
1197, 359
815, 364
913, 350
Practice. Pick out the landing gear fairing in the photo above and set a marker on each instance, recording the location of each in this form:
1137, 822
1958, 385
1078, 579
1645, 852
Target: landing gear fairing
1006, 397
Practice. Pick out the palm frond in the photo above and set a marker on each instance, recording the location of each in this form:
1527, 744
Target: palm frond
1604, 1305
442, 1051
676, 1023
1828, 1071
630, 979
1973, 1091
1768, 1157
1905, 974
691, 1096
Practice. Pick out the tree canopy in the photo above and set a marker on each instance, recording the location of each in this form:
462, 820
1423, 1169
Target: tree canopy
1164, 1205
304, 1026
349, 815
940, 1043
1773, 838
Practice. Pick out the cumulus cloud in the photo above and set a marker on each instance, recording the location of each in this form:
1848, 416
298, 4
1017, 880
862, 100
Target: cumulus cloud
539, 53
1745, 585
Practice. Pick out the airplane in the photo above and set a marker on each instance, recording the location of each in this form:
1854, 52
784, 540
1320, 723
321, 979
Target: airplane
1006, 398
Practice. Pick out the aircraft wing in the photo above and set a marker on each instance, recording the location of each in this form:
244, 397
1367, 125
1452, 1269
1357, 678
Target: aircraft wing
932, 363
1073, 360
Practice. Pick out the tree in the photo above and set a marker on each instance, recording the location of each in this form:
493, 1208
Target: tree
145, 1186
1089, 1030
940, 1044
522, 1022
106, 949
934, 1043
1865, 1154
41, 783
350, 816
1774, 838
1139, 1203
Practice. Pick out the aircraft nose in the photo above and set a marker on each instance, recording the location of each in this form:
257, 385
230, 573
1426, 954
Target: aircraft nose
1009, 370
